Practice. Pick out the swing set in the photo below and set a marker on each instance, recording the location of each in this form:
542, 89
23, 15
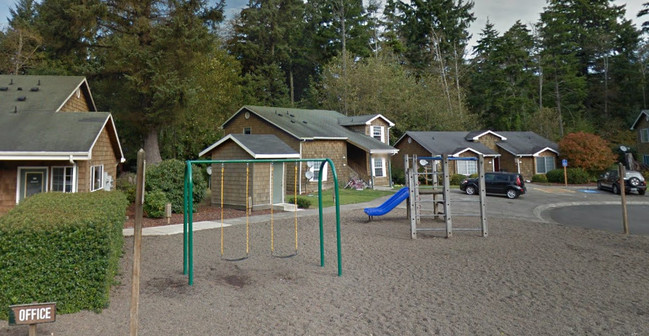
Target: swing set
188, 205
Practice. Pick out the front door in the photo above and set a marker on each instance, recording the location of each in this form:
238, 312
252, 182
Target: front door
278, 183
32, 181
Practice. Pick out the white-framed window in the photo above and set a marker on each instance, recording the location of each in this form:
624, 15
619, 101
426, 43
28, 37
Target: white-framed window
62, 179
378, 167
378, 133
645, 159
466, 167
644, 135
314, 168
544, 164
247, 130
96, 177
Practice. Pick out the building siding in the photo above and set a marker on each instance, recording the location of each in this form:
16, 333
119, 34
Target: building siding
643, 148
76, 104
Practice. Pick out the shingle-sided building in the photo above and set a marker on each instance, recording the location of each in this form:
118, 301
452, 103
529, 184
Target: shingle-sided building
266, 182
524, 152
641, 125
52, 138
358, 145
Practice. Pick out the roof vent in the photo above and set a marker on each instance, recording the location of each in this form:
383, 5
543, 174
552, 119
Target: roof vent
19, 88
293, 121
34, 89
21, 98
39, 82
292, 115
304, 121
4, 88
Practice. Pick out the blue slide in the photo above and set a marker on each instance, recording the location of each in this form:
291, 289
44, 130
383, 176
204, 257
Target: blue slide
388, 205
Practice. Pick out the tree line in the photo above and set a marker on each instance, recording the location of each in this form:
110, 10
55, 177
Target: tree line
172, 71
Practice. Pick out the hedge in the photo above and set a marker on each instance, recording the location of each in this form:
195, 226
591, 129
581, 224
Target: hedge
574, 175
62, 248
169, 177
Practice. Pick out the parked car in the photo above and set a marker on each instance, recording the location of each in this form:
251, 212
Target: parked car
509, 184
633, 181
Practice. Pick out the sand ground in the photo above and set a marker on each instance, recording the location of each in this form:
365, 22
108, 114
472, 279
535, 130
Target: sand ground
526, 278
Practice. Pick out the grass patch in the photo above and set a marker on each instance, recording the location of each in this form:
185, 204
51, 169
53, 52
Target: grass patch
347, 196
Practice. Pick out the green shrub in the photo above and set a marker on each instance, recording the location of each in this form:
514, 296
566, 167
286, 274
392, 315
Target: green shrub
474, 175
62, 248
574, 175
126, 184
555, 176
155, 203
539, 178
456, 179
577, 176
398, 176
169, 177
302, 202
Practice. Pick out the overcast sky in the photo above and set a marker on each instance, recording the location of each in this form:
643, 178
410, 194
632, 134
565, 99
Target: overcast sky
502, 13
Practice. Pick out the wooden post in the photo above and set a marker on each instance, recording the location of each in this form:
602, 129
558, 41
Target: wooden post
137, 242
32, 330
625, 216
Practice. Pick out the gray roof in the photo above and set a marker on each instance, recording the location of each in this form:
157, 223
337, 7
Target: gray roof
516, 143
259, 146
450, 143
644, 113
49, 133
39, 93
361, 120
315, 125
525, 143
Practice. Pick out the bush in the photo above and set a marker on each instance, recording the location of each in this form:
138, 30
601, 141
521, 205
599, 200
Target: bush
574, 175
577, 176
398, 176
456, 179
540, 178
62, 248
155, 203
302, 202
555, 176
169, 177
126, 184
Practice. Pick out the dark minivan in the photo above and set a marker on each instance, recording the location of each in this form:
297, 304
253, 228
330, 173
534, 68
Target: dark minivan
509, 184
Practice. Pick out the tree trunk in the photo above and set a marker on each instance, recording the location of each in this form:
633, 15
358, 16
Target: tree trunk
152, 148
558, 98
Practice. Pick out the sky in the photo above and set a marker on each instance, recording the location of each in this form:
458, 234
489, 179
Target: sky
502, 13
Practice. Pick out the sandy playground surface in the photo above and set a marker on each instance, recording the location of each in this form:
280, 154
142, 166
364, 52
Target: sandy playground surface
526, 278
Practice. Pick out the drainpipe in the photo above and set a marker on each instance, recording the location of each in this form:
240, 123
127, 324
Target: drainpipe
299, 177
518, 164
371, 171
74, 175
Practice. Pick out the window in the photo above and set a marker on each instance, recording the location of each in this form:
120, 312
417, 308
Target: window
62, 179
247, 130
378, 166
645, 159
377, 133
314, 168
544, 164
96, 177
466, 167
644, 135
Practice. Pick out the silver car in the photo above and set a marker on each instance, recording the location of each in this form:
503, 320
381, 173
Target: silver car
633, 181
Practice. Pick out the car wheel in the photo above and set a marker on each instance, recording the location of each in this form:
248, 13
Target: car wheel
470, 190
599, 185
634, 181
616, 189
512, 193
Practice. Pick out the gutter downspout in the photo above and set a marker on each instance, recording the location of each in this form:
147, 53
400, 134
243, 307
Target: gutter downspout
75, 170
518, 164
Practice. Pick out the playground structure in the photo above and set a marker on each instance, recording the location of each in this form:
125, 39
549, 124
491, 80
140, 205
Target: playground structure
188, 202
415, 206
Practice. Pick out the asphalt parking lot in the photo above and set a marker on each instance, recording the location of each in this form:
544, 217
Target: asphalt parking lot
583, 206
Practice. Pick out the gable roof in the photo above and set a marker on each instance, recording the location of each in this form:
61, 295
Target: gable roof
644, 113
40, 93
259, 146
452, 143
362, 120
526, 143
476, 135
61, 136
306, 124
